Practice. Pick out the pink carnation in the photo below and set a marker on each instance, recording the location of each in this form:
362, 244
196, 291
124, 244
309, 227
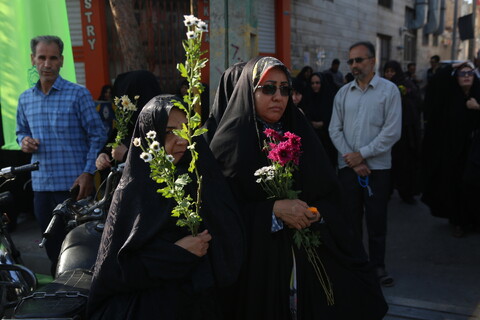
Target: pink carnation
272, 134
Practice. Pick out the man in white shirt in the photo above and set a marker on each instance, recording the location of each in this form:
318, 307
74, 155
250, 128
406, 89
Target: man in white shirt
365, 124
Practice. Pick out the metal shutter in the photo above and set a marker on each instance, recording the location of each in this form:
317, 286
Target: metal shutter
266, 26
76, 35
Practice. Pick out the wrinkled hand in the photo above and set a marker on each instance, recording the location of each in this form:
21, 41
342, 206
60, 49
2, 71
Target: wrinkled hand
353, 159
119, 152
362, 170
473, 104
30, 145
85, 181
294, 213
103, 161
197, 245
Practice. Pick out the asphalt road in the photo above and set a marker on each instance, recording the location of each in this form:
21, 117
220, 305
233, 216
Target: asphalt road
437, 276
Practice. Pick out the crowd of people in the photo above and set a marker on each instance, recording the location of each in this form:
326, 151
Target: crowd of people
435, 159
360, 140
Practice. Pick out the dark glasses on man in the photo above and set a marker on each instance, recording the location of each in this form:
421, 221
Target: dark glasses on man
357, 60
465, 73
270, 89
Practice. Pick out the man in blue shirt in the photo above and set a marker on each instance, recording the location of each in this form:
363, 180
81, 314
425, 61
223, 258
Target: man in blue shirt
58, 124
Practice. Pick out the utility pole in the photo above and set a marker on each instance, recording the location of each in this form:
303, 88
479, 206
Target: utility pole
472, 43
454, 31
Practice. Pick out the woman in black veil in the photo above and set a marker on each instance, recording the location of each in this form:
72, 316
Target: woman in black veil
318, 109
264, 289
148, 267
222, 96
140, 83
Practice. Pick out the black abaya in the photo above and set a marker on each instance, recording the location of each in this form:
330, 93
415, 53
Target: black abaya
263, 290
140, 273
446, 147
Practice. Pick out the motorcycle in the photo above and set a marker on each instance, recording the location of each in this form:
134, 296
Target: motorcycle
16, 281
66, 297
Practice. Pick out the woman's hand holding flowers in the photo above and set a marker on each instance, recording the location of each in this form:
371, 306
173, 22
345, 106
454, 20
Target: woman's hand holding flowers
103, 161
118, 153
197, 245
295, 213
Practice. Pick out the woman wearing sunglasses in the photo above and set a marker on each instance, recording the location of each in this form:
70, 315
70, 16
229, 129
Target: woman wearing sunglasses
451, 147
277, 280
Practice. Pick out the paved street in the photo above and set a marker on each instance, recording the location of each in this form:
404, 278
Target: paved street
437, 276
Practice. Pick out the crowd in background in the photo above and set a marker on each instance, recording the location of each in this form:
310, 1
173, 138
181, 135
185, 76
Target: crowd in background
436, 159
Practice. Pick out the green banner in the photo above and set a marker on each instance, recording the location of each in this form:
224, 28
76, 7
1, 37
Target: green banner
20, 21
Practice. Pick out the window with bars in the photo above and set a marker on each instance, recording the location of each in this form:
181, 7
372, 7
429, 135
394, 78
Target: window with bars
162, 31
409, 46
384, 49
386, 3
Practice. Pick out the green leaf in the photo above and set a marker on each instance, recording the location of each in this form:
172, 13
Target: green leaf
183, 180
195, 119
181, 133
199, 132
182, 69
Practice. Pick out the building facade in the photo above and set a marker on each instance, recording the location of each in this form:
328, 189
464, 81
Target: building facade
298, 32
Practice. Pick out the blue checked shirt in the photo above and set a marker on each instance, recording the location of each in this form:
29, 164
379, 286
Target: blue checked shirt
69, 129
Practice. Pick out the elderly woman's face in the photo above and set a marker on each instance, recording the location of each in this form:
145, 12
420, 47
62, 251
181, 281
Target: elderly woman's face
270, 108
465, 77
174, 145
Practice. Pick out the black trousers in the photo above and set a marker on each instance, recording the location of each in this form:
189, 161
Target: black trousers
373, 204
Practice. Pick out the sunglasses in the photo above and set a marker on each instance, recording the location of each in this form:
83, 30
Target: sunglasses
270, 89
465, 73
357, 60
315, 82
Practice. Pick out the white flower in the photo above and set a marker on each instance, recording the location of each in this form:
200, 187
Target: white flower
155, 146
137, 142
191, 35
259, 180
202, 26
170, 157
116, 100
137, 97
189, 20
131, 107
151, 134
264, 171
147, 157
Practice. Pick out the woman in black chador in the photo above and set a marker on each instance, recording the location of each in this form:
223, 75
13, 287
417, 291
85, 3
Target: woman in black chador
318, 109
406, 152
149, 268
141, 83
449, 164
277, 281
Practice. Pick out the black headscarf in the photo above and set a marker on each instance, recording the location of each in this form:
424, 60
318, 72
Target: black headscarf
319, 105
138, 258
237, 145
140, 83
222, 96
